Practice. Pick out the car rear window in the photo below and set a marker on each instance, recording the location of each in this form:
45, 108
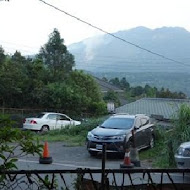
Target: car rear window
40, 115
118, 123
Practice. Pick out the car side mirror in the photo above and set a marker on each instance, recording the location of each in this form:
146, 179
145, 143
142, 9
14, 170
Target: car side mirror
136, 127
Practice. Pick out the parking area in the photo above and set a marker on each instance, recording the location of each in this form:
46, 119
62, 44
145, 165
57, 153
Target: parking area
65, 157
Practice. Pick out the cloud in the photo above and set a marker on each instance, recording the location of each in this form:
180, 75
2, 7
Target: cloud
91, 44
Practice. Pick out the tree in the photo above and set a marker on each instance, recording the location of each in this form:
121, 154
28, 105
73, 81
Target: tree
11, 80
149, 91
137, 91
112, 96
38, 76
115, 81
124, 84
56, 56
86, 89
2, 55
77, 94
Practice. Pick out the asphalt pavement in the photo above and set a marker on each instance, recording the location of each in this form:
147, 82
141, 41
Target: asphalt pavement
66, 157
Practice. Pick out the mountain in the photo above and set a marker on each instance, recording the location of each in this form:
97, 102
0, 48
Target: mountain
105, 53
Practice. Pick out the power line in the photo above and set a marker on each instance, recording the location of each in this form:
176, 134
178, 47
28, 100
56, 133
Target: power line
16, 44
117, 37
78, 55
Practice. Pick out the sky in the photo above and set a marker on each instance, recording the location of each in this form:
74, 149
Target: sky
25, 25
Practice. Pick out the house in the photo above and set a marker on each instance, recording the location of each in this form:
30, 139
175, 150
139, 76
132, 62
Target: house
106, 87
158, 108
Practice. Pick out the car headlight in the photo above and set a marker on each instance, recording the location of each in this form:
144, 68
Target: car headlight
90, 135
183, 152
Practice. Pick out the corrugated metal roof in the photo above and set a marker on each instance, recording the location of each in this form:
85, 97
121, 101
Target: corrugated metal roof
154, 106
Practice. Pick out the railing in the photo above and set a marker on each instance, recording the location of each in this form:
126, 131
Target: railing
95, 179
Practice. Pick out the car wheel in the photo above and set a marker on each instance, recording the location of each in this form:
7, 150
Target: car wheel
152, 142
45, 128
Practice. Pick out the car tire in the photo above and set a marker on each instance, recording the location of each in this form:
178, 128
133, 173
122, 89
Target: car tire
44, 129
152, 142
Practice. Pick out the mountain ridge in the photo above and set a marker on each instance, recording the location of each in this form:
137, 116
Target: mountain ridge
104, 53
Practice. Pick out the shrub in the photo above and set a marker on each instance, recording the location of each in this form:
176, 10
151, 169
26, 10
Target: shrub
12, 139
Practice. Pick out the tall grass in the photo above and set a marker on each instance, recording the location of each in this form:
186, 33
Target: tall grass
170, 141
73, 135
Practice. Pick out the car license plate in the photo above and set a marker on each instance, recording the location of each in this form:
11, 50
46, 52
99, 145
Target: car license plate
99, 146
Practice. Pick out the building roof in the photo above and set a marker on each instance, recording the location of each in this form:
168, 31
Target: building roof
160, 108
106, 86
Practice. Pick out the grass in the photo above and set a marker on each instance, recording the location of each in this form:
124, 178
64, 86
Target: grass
161, 156
155, 155
73, 135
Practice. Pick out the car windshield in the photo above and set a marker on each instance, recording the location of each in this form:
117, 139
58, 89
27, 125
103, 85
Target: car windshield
118, 123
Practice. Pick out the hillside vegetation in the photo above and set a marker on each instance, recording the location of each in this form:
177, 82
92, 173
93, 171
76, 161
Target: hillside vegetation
48, 81
109, 57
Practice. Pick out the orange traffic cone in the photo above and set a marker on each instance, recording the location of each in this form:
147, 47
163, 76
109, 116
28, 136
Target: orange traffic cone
46, 159
127, 162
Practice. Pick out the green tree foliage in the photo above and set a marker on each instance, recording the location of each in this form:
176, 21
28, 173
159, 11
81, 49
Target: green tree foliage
112, 96
56, 56
166, 93
147, 91
47, 81
115, 81
2, 55
11, 81
137, 91
179, 134
182, 125
78, 93
124, 84
14, 143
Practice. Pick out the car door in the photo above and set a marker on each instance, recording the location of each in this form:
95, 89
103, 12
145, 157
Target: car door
140, 135
64, 120
147, 134
52, 121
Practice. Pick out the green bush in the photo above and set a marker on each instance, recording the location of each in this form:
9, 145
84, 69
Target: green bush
168, 141
98, 108
6, 121
12, 139
72, 134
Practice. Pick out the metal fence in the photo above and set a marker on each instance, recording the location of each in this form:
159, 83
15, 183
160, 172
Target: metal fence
18, 115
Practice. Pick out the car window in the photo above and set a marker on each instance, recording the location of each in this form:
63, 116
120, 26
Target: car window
40, 115
144, 121
138, 123
118, 123
63, 117
52, 116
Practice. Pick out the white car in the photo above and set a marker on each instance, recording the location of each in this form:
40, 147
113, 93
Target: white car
46, 121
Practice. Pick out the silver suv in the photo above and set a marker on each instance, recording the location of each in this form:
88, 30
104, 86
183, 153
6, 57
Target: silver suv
116, 132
